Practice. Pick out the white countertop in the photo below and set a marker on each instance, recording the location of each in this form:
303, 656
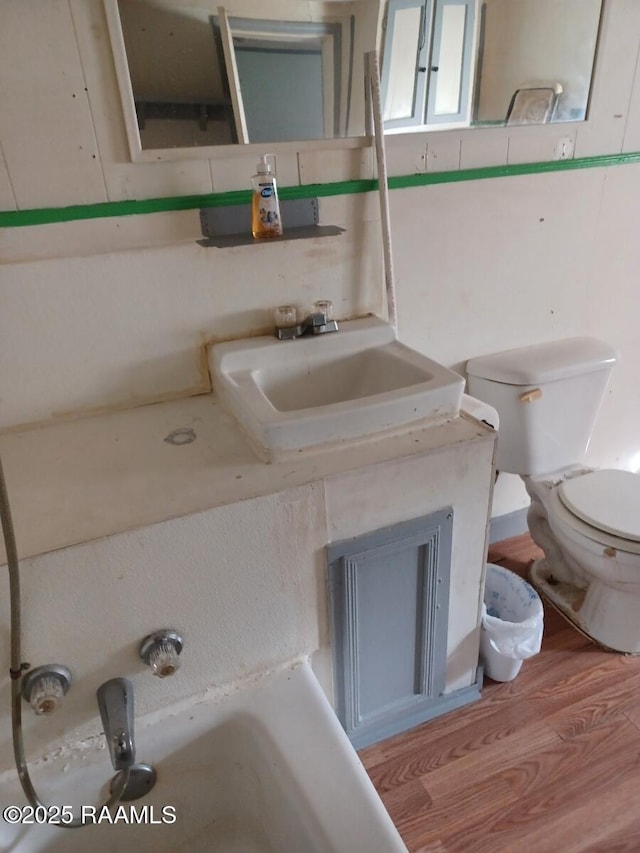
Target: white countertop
80, 480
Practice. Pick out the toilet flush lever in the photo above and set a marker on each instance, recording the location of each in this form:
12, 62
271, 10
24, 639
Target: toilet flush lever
530, 396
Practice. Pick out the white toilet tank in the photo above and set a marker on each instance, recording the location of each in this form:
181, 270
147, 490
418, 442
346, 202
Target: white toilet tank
547, 397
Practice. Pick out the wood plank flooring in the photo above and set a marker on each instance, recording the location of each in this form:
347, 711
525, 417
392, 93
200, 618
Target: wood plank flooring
546, 763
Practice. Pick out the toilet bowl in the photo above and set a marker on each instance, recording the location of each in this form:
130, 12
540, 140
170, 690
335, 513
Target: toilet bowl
590, 573
586, 521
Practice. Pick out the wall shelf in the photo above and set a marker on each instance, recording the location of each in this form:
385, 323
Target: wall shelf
231, 225
305, 233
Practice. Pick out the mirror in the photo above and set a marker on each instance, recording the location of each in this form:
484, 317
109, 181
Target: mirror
194, 78
463, 63
208, 76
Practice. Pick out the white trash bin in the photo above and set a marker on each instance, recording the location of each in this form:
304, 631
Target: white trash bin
512, 623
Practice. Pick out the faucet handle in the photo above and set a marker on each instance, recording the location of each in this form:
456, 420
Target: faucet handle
321, 320
161, 651
287, 325
45, 686
286, 316
324, 307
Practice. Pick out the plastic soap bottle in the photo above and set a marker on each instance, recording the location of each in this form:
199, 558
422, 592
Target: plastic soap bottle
265, 208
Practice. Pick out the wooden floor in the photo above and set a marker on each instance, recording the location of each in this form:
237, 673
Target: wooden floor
546, 763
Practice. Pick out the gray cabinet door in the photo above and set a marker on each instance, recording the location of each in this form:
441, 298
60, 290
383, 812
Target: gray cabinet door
389, 600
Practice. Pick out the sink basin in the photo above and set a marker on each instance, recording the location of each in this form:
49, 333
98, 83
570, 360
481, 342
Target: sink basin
357, 382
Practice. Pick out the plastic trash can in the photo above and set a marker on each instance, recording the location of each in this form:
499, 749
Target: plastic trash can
512, 623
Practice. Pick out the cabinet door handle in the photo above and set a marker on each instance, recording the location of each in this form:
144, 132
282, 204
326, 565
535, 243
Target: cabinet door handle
435, 68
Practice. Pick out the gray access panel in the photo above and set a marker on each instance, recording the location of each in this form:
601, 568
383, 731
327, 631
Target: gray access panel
389, 604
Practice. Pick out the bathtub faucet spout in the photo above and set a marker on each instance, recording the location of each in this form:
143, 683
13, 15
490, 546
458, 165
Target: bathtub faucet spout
115, 701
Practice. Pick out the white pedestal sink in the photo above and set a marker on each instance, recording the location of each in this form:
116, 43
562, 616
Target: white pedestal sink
320, 389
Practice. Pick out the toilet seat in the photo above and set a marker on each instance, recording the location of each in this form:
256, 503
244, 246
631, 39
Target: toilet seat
600, 508
607, 499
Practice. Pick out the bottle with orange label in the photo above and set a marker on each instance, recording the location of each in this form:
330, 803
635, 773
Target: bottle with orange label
265, 207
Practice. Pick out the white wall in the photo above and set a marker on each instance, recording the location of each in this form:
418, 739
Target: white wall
244, 593
522, 261
114, 312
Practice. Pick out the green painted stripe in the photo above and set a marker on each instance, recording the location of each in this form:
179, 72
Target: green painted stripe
510, 171
17, 218
47, 215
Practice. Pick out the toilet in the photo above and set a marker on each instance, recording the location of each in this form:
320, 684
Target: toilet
586, 521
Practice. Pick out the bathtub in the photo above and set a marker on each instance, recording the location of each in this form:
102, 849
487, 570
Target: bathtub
266, 768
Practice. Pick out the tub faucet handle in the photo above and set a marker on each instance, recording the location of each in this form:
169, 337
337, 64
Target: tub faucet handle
161, 651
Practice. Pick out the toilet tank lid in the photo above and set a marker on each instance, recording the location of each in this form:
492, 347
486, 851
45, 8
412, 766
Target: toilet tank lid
544, 362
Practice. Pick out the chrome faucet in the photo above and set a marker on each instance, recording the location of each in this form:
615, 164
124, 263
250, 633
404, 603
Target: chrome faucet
316, 323
115, 701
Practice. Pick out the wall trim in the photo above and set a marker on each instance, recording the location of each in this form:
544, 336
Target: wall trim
507, 526
48, 215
